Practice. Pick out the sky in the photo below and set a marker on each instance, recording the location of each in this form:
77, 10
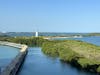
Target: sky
50, 15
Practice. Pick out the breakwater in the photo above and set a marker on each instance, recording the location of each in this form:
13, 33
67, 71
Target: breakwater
15, 64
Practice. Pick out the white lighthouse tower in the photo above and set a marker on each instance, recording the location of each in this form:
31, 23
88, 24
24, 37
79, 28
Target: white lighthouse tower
36, 34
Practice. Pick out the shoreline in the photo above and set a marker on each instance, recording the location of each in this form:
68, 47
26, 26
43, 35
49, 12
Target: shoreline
15, 64
62, 37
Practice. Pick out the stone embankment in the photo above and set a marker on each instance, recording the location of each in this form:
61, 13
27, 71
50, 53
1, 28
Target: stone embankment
16, 63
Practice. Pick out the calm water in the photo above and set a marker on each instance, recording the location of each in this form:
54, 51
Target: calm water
94, 39
39, 64
6, 55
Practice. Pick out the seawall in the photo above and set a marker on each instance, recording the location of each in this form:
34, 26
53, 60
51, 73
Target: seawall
15, 64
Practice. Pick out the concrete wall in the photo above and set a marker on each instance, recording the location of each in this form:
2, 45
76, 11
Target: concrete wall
13, 67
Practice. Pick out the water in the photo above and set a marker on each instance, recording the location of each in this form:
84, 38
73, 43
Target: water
6, 55
39, 64
94, 39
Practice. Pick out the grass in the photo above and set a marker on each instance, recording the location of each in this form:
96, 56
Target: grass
85, 54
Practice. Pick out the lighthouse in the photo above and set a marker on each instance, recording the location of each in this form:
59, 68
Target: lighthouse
36, 34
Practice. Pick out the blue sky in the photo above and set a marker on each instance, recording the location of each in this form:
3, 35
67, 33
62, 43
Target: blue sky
50, 15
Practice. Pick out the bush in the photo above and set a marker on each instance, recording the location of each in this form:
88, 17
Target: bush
50, 48
74, 51
67, 54
30, 41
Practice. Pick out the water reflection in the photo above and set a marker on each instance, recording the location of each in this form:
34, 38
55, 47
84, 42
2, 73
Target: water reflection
39, 64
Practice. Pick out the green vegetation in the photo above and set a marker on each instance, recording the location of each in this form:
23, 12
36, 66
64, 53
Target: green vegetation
30, 41
4, 37
50, 48
84, 62
98, 69
86, 55
94, 34
67, 54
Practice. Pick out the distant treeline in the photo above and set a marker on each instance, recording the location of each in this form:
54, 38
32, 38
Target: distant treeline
81, 54
4, 37
30, 41
94, 34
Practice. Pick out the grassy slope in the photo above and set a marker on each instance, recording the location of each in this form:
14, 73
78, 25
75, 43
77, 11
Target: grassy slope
84, 49
86, 54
